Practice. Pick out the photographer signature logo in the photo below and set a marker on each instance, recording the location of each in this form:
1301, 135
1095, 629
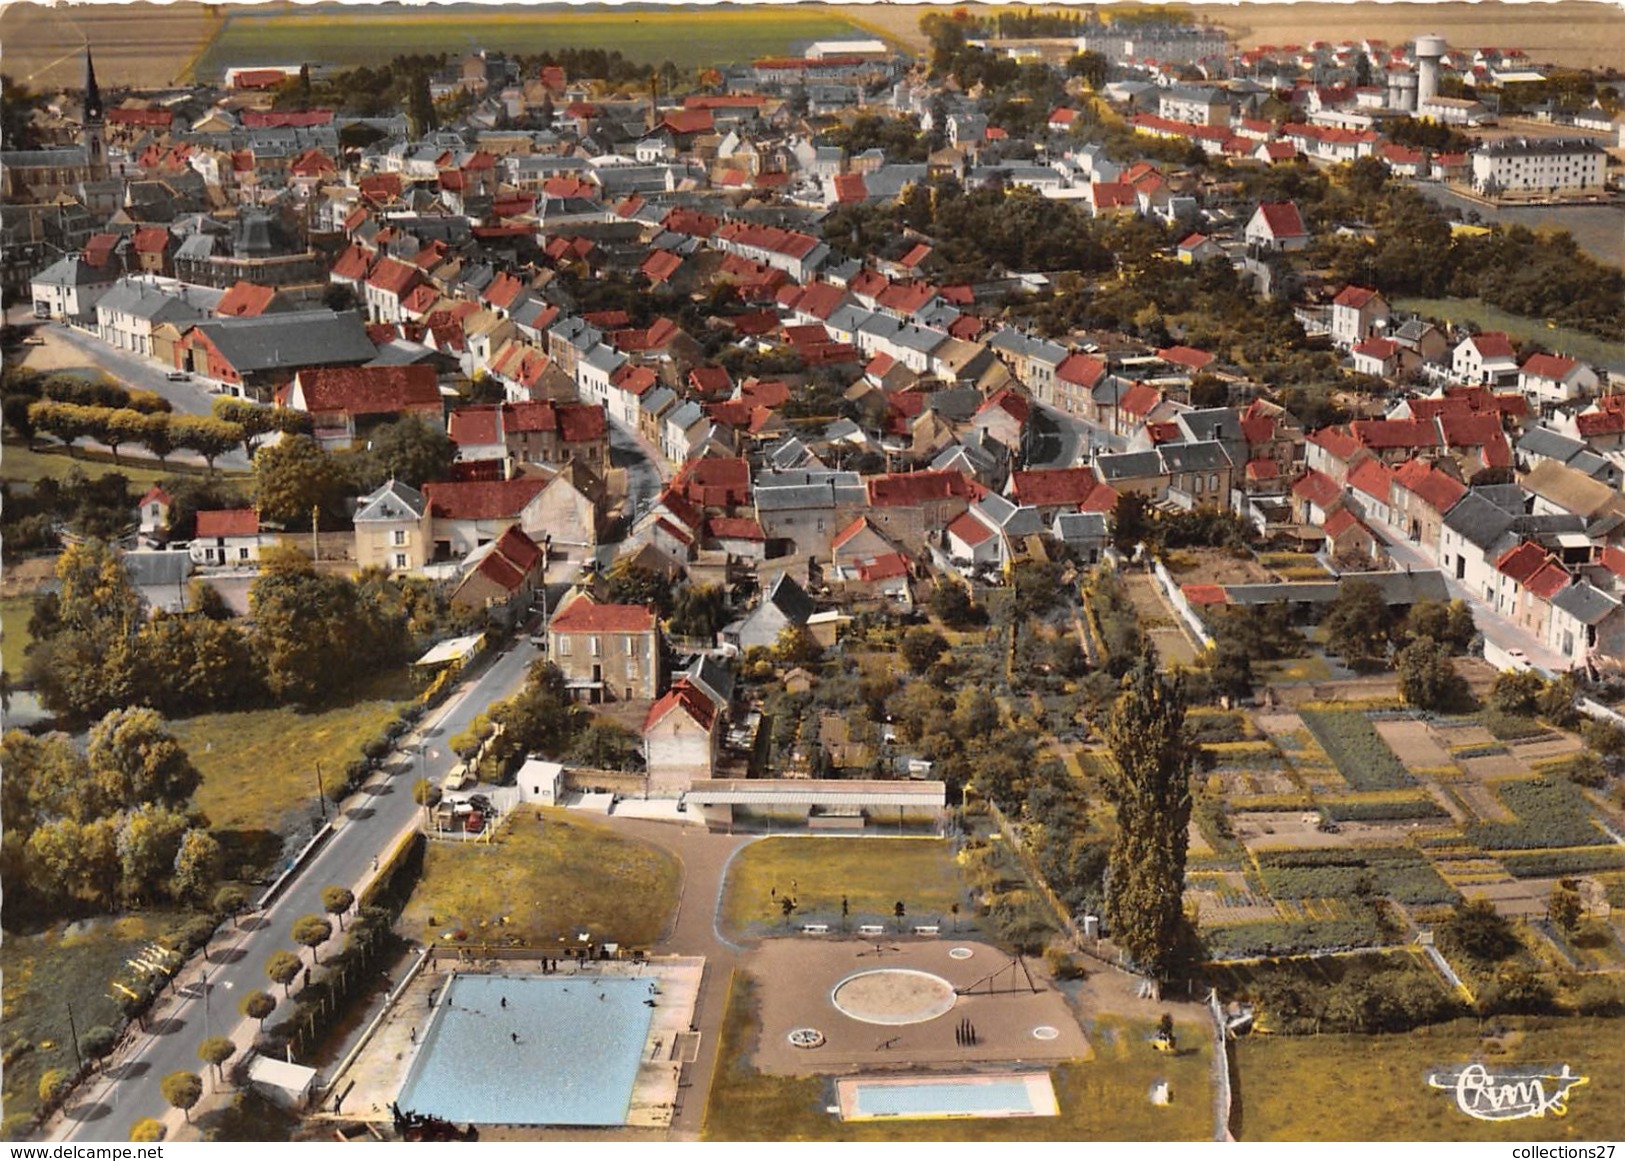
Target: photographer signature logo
1510, 1095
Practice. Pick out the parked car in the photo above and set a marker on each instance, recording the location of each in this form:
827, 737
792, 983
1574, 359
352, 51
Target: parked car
179, 377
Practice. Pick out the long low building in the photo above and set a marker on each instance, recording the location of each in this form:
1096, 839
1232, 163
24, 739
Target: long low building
819, 802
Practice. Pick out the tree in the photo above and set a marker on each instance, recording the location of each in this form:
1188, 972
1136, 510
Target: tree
122, 426
336, 901
295, 477
255, 421
197, 867
85, 659
258, 1005
1516, 692
1478, 931
1149, 783
788, 906
921, 646
135, 760
952, 605
1450, 624
149, 843
98, 1041
147, 1129
156, 436
1357, 625
312, 931
638, 584
1564, 908
1131, 521
796, 646
410, 450
182, 1090
1427, 677
283, 968
216, 1050
211, 438
899, 912
698, 611
230, 899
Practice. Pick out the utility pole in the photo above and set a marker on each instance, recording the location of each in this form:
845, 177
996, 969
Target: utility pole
321, 794
74, 1030
315, 543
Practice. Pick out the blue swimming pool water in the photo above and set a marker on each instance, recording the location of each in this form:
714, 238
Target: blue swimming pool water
915, 1100
574, 1063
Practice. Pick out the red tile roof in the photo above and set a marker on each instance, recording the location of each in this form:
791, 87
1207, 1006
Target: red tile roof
1478, 431
1493, 345
1186, 357
585, 616
393, 277
1372, 477
734, 528
1011, 402
1356, 297
475, 426
370, 390
970, 530
1282, 220
788, 242
1428, 484
661, 265
1552, 579
1395, 433
245, 300
286, 119
1522, 562
142, 118
887, 566
1139, 400
1053, 487
1341, 521
354, 263
1600, 423
682, 696
1318, 488
228, 522
1081, 370
150, 240
1205, 594
1554, 367
909, 489
1263, 469
714, 481
1613, 559
483, 499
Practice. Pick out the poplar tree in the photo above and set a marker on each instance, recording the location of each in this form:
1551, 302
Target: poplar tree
1149, 783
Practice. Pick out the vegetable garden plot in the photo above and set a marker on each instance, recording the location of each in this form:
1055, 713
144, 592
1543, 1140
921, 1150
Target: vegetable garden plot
1360, 754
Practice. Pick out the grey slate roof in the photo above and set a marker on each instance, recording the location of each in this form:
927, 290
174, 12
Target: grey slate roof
1128, 466
391, 500
307, 338
1080, 527
71, 271
1585, 603
713, 678
1478, 521
1549, 444
1207, 456
1395, 588
789, 598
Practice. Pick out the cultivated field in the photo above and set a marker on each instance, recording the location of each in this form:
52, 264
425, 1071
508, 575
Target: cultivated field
140, 45
341, 35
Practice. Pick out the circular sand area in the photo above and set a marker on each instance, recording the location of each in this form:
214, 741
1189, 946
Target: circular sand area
893, 996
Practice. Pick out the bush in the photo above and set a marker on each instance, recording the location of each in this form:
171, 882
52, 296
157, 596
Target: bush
1510, 727
53, 1085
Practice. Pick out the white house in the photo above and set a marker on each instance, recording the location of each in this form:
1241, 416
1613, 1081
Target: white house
228, 536
1276, 226
1552, 379
1485, 359
680, 739
1356, 313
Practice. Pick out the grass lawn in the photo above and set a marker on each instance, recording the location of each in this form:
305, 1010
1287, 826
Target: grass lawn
1347, 1087
873, 873
1311, 668
1576, 344
14, 614
46, 973
688, 38
259, 766
1102, 1099
21, 465
548, 872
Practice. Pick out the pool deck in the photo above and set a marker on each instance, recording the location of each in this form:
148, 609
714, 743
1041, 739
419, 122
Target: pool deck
803, 972
364, 1091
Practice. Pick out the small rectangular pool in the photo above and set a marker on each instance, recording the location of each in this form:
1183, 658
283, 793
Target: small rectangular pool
919, 1097
562, 1050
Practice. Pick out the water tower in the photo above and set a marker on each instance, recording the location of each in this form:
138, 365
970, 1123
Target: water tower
1429, 51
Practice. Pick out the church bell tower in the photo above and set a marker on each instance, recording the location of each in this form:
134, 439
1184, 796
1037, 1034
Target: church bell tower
90, 136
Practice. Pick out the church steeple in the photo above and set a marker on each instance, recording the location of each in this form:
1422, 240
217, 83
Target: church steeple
90, 136
93, 93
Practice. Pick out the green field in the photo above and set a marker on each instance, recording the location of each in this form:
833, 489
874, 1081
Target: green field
46, 973
21, 465
1576, 344
1373, 1088
259, 766
547, 873
1104, 1099
14, 615
874, 874
688, 38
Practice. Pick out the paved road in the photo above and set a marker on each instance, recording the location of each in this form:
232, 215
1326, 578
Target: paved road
646, 474
1493, 625
1067, 441
370, 822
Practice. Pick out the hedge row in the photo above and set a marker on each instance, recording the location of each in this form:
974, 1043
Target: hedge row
1360, 754
1276, 938
1417, 806
1570, 861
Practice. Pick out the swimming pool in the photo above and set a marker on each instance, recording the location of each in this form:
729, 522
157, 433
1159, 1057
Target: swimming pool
579, 1043
1024, 1095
